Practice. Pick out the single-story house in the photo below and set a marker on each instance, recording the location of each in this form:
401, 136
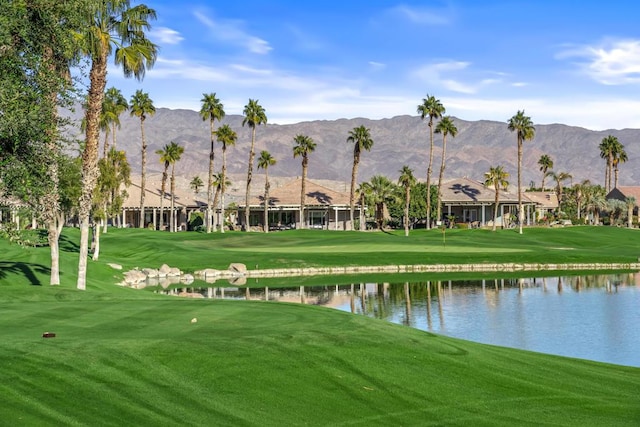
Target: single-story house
546, 202
469, 201
324, 208
625, 192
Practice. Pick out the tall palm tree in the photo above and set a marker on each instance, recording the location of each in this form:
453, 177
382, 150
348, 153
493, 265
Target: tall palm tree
432, 108
406, 181
496, 178
559, 178
361, 138
546, 163
165, 157
226, 137
219, 183
117, 105
303, 146
176, 152
630, 202
264, 161
141, 106
112, 24
254, 115
212, 110
364, 195
619, 156
580, 192
523, 126
608, 147
445, 127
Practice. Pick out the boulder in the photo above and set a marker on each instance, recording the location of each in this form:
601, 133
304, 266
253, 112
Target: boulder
236, 267
134, 277
164, 270
115, 266
187, 279
174, 272
150, 272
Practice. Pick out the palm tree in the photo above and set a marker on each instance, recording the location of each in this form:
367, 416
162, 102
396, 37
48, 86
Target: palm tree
445, 127
381, 191
176, 152
608, 148
546, 163
254, 115
117, 105
361, 138
559, 178
432, 108
227, 137
580, 192
141, 106
364, 195
631, 205
406, 180
212, 110
112, 24
195, 184
496, 178
264, 161
165, 157
219, 183
619, 156
303, 146
523, 126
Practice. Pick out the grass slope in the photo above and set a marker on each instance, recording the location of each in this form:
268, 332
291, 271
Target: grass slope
123, 356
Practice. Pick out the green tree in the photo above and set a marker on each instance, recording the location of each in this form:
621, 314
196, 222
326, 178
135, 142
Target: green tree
619, 156
432, 108
116, 104
141, 106
165, 158
525, 131
254, 115
220, 183
212, 110
546, 163
303, 146
112, 24
381, 192
496, 178
226, 137
196, 184
361, 138
559, 178
406, 181
264, 161
445, 127
608, 147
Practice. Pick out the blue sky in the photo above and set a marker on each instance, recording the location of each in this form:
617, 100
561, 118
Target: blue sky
572, 62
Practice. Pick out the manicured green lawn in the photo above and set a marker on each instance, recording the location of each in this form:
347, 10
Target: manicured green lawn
128, 357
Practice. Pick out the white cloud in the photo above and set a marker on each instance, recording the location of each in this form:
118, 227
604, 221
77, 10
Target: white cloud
610, 63
420, 15
164, 35
232, 31
377, 65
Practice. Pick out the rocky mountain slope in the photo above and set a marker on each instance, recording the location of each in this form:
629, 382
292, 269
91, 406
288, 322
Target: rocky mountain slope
398, 141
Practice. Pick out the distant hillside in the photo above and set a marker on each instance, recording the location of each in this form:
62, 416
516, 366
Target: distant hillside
402, 140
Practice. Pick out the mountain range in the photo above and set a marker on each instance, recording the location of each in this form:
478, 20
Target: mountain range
398, 141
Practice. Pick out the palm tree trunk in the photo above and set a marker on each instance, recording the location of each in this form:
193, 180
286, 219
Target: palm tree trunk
224, 186
143, 176
162, 196
495, 208
442, 166
172, 226
615, 181
106, 144
266, 200
520, 212
249, 176
97, 77
303, 190
610, 167
407, 199
429, 173
210, 181
96, 240
216, 196
352, 192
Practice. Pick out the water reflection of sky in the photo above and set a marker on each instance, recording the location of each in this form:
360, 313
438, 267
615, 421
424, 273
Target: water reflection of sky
589, 317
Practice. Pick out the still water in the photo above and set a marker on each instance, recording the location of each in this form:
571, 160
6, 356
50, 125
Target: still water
593, 317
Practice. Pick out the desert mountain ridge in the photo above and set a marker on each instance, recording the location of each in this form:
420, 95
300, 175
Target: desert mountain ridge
398, 141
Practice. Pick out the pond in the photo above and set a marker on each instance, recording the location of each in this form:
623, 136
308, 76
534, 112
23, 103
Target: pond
594, 317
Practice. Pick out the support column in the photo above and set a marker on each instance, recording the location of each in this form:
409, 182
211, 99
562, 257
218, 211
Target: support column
154, 218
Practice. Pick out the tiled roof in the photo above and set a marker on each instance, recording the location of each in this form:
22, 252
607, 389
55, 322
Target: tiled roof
545, 199
627, 191
289, 195
469, 191
153, 192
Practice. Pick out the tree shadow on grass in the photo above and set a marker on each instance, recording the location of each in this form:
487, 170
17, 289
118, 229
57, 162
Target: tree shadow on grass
67, 245
27, 270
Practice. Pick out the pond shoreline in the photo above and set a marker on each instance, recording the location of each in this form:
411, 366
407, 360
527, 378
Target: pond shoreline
235, 272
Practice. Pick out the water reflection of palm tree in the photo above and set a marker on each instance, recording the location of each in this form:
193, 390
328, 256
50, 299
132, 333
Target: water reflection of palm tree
302, 296
353, 299
407, 299
440, 313
429, 324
